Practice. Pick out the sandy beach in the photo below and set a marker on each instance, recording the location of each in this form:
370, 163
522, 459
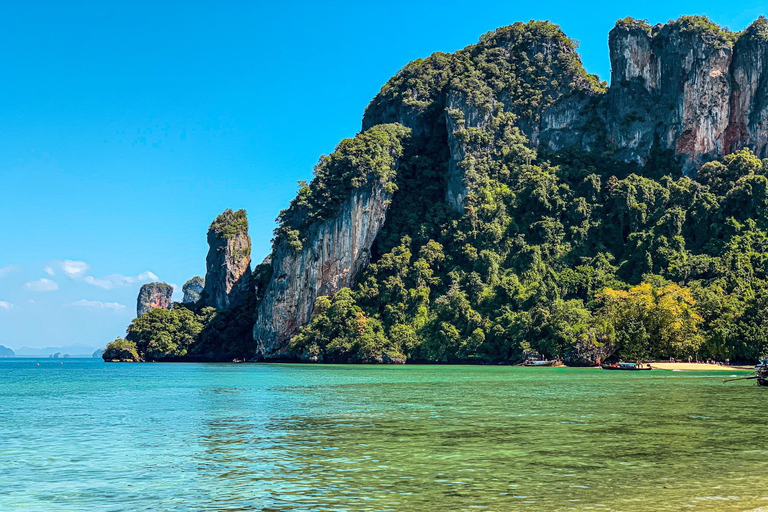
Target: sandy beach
698, 367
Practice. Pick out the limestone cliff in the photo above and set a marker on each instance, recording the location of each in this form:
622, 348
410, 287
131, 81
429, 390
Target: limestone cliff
669, 84
192, 290
154, 295
326, 253
689, 86
228, 264
523, 70
748, 122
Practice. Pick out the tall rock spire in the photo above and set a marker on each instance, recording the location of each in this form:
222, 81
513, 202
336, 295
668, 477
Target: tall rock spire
228, 265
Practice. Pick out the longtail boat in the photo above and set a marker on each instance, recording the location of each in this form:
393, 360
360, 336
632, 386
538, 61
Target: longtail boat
632, 367
760, 375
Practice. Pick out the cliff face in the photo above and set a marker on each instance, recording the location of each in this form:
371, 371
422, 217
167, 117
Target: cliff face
335, 251
192, 290
228, 264
688, 86
748, 123
524, 70
669, 84
326, 235
154, 295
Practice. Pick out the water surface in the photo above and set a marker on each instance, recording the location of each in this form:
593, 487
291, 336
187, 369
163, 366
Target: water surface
85, 435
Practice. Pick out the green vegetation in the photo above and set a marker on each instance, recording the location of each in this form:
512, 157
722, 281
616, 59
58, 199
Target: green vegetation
164, 333
369, 156
631, 23
551, 257
557, 253
701, 25
230, 224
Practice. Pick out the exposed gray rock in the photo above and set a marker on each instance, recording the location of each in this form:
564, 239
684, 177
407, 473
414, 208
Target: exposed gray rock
154, 295
334, 252
192, 290
748, 124
669, 84
587, 354
687, 86
228, 264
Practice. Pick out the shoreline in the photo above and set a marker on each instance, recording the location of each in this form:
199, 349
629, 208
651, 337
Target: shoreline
699, 367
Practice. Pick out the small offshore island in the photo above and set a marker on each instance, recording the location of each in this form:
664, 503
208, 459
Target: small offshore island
500, 201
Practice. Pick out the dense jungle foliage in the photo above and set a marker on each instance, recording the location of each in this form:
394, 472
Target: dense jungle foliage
570, 255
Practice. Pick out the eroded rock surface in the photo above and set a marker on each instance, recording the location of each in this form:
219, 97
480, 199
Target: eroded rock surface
335, 251
192, 290
154, 295
228, 264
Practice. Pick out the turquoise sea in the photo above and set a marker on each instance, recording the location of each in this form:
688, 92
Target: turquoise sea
85, 435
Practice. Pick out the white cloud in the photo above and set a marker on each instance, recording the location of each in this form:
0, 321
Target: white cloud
95, 304
42, 285
5, 305
4, 271
117, 280
74, 269
49, 271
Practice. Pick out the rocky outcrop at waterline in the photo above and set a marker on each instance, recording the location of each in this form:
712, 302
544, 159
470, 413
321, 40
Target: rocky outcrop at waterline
154, 295
228, 264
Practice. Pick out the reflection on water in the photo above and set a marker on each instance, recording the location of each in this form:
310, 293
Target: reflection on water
92, 436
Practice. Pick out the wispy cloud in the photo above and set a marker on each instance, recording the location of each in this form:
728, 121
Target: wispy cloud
117, 280
42, 285
8, 269
74, 269
95, 304
49, 270
5, 305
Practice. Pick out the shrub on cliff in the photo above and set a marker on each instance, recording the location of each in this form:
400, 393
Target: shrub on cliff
230, 223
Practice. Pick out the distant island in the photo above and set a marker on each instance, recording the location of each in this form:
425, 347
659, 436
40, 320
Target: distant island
6, 352
64, 351
500, 202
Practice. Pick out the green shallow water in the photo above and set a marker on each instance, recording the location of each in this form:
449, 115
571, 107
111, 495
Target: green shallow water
119, 437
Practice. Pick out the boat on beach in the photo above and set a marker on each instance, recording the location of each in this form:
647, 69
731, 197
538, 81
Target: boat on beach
632, 367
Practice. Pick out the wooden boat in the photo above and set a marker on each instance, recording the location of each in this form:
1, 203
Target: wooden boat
632, 367
761, 376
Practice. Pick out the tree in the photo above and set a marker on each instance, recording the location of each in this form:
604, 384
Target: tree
652, 322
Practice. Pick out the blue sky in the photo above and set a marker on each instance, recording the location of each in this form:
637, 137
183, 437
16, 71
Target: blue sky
126, 127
